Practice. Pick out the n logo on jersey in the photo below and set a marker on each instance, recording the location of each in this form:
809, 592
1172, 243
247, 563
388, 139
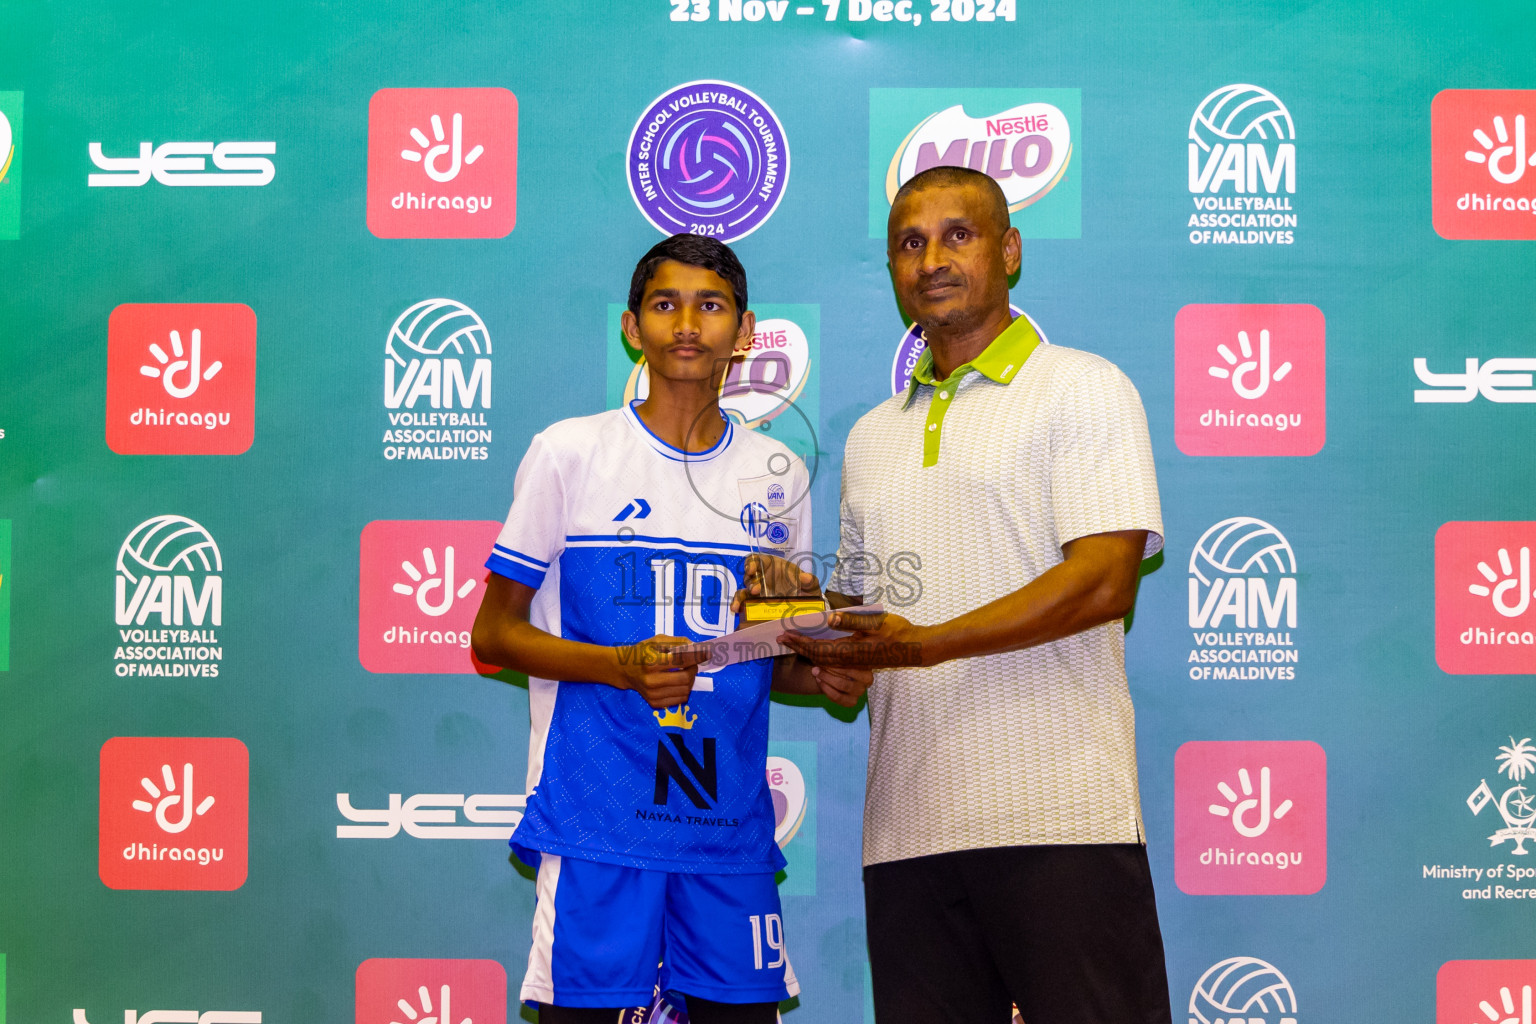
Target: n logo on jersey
697, 777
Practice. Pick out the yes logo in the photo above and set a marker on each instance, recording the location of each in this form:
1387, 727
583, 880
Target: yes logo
1485, 621
181, 379
1499, 380
431, 992
173, 813
1483, 163
1485, 992
419, 589
442, 163
1249, 380
1250, 818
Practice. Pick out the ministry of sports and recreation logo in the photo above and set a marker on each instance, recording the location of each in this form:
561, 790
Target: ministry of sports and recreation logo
1485, 992
421, 991
419, 587
183, 164
1242, 168
1504, 801
1242, 988
10, 164
5, 595
437, 383
173, 813
1483, 163
1242, 602
1250, 817
1025, 139
434, 816
1485, 618
1250, 380
913, 343
169, 597
442, 163
181, 378
708, 158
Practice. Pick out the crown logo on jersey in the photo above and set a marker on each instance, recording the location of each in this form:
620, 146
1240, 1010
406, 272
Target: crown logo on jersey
676, 718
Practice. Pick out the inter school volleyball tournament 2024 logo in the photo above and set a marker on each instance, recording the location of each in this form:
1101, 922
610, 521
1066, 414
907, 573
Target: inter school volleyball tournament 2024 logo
10, 164
1242, 169
437, 383
1250, 818
419, 587
181, 378
442, 163
1025, 139
708, 158
428, 991
169, 600
1249, 380
1485, 618
1485, 992
1242, 603
173, 813
1483, 163
1243, 990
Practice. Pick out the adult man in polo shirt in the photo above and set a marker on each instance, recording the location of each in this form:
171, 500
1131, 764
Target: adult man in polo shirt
1002, 826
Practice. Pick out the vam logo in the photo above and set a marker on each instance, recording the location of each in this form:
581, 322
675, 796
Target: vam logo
169, 574
182, 1017
173, 813
186, 164
442, 163
437, 383
417, 593
10, 164
1241, 990
1497, 380
1485, 992
1242, 602
1250, 818
1025, 139
709, 158
1242, 168
433, 816
428, 991
1483, 163
181, 379
1484, 618
1250, 380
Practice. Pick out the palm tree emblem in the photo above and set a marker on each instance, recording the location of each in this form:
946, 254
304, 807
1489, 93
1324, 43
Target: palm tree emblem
1516, 806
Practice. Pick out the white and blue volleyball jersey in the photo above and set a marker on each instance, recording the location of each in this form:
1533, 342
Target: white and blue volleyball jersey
626, 537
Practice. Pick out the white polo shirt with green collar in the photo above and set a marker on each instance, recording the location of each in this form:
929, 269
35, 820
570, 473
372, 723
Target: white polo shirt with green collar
955, 493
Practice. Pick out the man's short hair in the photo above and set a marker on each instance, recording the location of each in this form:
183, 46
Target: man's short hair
947, 176
695, 251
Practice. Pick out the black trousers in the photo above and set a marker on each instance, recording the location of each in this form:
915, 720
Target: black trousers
1068, 933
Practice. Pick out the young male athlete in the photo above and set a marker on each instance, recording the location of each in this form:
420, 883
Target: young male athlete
649, 816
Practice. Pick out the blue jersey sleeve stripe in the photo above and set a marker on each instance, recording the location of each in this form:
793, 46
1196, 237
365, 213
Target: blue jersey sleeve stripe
514, 553
611, 538
515, 571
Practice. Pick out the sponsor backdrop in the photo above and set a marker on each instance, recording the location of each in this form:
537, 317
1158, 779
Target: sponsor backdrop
289, 293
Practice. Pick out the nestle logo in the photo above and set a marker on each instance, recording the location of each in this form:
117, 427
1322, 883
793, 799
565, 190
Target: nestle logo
1018, 125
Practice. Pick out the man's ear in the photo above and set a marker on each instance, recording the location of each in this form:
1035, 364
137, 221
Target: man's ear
744, 333
631, 325
1013, 251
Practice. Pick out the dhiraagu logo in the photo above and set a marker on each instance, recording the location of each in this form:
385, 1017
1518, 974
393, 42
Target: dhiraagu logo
1027, 139
5, 616
10, 178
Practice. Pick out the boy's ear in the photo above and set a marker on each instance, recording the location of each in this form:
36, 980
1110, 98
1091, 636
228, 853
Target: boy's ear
631, 326
744, 333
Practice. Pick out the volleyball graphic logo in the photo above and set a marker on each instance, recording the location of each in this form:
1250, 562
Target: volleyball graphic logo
165, 545
435, 327
708, 158
1242, 135
1242, 987
1235, 113
1240, 546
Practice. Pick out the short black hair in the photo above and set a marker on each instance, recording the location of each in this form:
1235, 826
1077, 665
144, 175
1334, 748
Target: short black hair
948, 176
695, 251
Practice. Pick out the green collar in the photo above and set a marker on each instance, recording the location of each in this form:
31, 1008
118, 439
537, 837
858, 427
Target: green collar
998, 362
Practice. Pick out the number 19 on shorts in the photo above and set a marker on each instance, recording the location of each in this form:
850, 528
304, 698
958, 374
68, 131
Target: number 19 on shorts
767, 930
